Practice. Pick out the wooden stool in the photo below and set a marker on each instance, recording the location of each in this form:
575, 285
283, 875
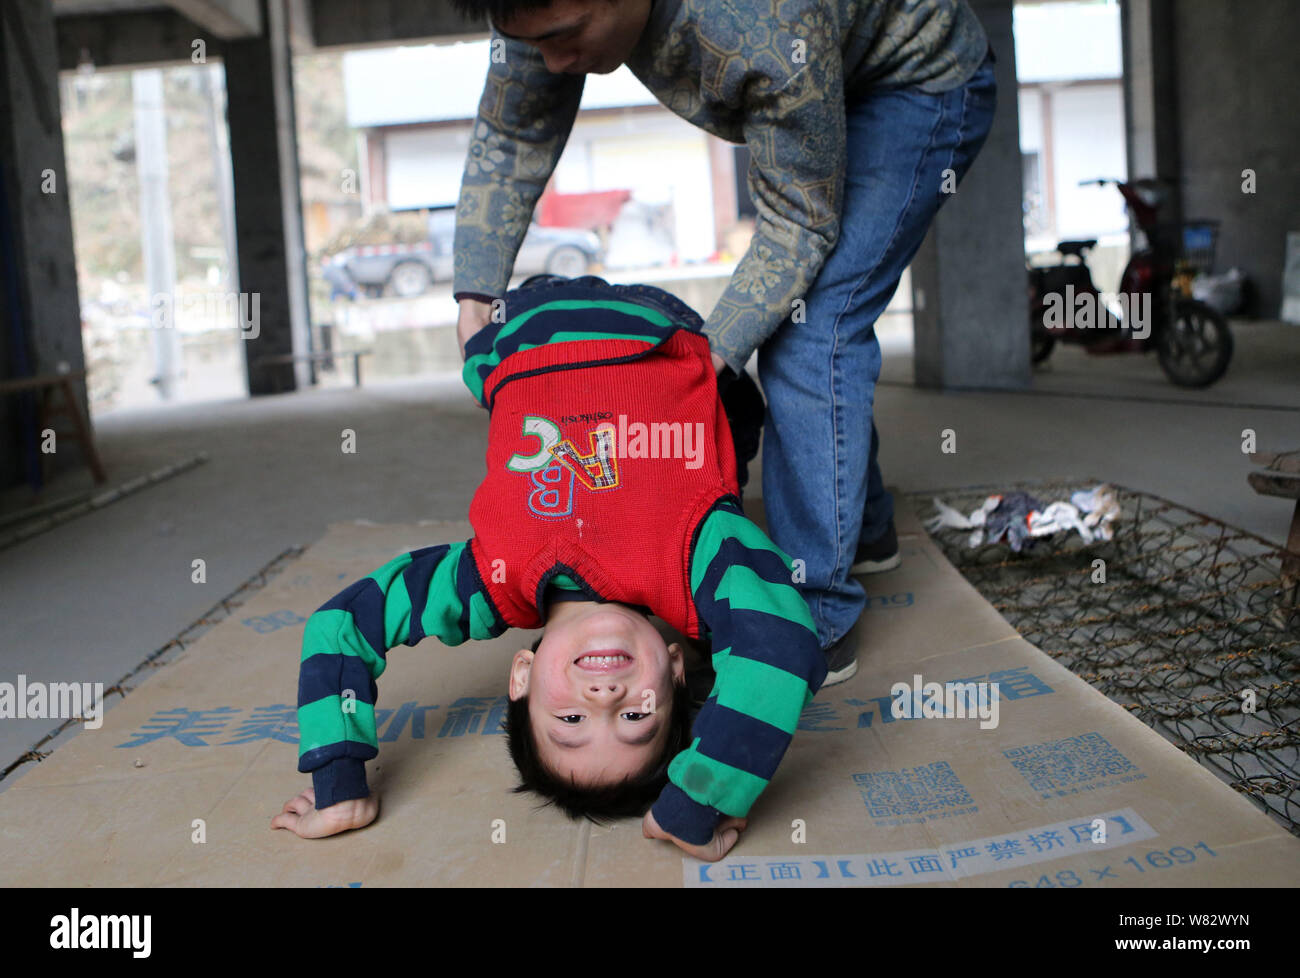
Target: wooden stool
50, 408
1281, 477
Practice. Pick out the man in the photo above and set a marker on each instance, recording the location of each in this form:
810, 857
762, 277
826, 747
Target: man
861, 116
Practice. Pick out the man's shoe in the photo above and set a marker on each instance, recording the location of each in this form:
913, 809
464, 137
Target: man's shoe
879, 555
841, 661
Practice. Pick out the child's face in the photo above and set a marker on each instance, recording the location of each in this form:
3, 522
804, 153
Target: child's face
598, 722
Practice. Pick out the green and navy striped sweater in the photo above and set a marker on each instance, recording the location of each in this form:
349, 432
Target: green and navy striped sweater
765, 652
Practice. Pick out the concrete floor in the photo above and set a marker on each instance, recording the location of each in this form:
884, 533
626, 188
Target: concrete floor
88, 600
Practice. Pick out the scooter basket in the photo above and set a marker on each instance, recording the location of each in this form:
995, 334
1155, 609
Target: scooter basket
1199, 239
1192, 243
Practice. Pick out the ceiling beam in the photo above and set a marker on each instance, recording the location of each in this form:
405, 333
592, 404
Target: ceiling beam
228, 19
132, 39
358, 23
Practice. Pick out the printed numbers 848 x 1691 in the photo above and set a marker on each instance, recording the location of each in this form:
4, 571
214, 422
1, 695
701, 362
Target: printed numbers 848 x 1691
1155, 859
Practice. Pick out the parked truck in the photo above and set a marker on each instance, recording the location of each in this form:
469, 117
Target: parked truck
409, 268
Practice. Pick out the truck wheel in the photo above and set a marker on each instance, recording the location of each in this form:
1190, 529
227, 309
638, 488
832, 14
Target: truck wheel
567, 261
410, 278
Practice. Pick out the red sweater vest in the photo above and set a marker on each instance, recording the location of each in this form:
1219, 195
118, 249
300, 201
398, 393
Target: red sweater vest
603, 457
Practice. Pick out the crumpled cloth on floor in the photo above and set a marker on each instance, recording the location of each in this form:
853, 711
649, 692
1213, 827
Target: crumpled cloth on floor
1019, 517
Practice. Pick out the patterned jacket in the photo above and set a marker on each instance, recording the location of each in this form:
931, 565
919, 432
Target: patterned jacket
773, 74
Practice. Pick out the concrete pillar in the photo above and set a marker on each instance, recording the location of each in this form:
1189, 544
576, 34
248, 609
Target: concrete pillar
40, 330
158, 244
970, 309
212, 86
1151, 95
268, 208
1237, 138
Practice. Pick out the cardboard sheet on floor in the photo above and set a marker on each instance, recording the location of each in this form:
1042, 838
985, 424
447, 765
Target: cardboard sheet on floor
1067, 790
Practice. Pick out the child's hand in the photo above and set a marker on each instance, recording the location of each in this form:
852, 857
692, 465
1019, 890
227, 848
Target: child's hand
725, 836
301, 816
719, 364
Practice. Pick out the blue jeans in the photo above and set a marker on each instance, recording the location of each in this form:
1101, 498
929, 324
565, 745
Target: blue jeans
822, 487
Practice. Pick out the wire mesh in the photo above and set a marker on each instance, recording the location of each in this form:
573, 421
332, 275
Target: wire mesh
1186, 623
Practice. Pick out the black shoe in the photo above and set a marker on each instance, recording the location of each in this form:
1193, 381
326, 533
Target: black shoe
879, 555
841, 661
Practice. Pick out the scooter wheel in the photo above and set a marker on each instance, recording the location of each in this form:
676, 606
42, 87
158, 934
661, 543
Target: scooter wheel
1195, 348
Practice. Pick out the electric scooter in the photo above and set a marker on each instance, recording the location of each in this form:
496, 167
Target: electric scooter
1155, 307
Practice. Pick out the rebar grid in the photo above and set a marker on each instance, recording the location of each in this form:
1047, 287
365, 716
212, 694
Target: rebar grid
1183, 622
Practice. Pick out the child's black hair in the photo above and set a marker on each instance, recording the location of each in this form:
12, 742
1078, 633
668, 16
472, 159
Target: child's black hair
632, 796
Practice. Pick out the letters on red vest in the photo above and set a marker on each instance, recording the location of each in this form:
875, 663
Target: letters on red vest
603, 457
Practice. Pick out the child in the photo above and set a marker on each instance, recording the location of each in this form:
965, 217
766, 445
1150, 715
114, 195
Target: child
611, 494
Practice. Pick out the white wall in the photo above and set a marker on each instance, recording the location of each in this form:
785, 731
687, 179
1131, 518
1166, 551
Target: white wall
660, 158
1058, 46
424, 166
1031, 121
1064, 41
1088, 142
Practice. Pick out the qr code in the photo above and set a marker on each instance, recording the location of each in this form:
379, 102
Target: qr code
1073, 760
912, 791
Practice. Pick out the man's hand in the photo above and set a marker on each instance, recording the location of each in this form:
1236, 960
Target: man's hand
474, 315
301, 816
719, 364
725, 836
